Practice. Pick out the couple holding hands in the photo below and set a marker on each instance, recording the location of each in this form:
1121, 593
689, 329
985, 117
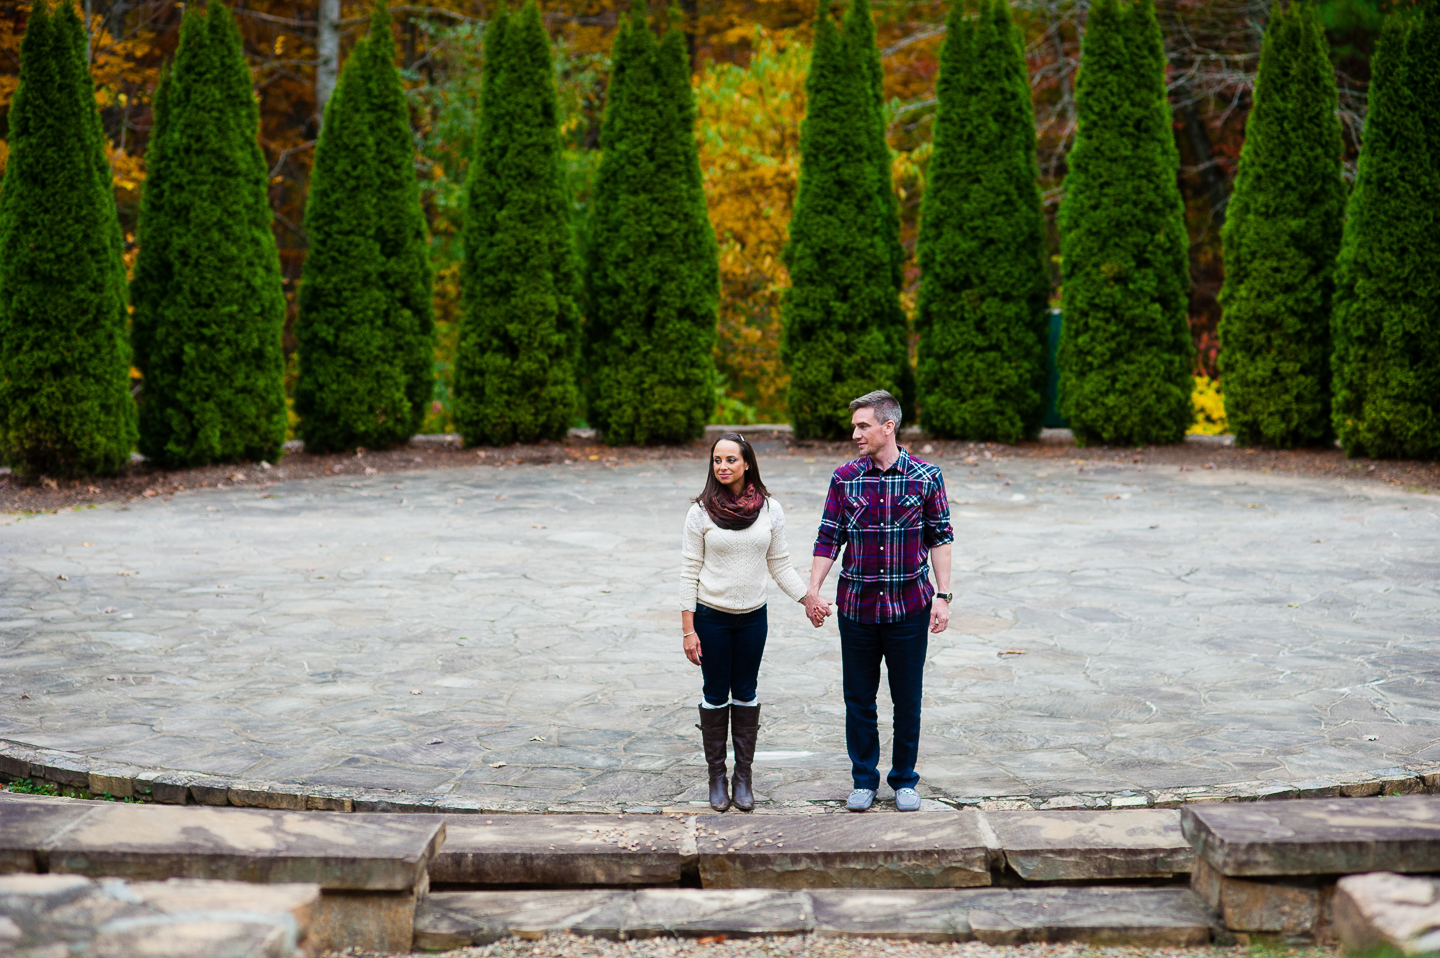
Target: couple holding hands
889, 512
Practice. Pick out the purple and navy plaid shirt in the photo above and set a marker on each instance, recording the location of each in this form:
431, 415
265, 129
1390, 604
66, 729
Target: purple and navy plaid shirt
888, 521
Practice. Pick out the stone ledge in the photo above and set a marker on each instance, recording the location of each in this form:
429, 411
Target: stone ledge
179, 787
1309, 837
65, 914
372, 853
1155, 917
1382, 910
919, 850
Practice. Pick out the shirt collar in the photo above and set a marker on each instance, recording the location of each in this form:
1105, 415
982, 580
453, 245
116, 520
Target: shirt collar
900, 465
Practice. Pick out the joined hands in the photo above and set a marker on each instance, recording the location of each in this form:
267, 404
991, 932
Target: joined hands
817, 610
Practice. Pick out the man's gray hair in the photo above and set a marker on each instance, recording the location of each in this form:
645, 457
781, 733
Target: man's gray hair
886, 406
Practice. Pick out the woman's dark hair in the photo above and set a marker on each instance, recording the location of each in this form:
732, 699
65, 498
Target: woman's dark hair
712, 485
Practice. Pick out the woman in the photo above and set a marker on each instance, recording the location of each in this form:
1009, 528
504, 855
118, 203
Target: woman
733, 532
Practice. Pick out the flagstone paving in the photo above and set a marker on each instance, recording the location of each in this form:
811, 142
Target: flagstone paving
511, 634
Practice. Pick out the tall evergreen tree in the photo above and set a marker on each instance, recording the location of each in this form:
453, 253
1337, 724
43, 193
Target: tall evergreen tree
652, 270
1387, 304
365, 325
841, 337
209, 305
65, 405
403, 232
859, 35
515, 375
984, 286
1125, 350
1282, 233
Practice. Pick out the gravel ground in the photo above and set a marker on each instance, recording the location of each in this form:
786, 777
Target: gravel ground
30, 495
813, 946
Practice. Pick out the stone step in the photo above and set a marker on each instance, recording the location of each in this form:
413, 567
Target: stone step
916, 850
1317, 836
179, 918
1383, 911
1153, 917
371, 867
1271, 867
940, 849
564, 850
1092, 845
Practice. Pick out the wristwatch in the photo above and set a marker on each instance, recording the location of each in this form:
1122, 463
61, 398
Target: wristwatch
947, 596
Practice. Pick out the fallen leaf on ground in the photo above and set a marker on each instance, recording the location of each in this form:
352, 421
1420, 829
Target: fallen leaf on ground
1011, 652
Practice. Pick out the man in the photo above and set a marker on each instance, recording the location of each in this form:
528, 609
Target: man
890, 513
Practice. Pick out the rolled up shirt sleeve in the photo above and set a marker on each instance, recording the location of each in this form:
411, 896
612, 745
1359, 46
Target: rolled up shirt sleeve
938, 531
832, 535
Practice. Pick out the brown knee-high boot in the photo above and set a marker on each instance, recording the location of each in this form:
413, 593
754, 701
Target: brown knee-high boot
714, 730
745, 724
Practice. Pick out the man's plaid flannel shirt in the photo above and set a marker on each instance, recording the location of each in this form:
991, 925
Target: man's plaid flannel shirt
888, 521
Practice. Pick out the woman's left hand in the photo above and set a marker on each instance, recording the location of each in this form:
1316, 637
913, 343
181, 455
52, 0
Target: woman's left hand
692, 648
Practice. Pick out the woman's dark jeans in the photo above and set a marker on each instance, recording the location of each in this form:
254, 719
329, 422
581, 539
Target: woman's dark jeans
731, 646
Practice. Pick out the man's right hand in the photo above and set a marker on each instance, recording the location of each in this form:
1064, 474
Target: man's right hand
816, 609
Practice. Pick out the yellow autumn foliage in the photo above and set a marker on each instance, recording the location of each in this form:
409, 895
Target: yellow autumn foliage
749, 130
1209, 408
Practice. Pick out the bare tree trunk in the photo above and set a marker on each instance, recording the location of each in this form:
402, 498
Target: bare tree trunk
327, 46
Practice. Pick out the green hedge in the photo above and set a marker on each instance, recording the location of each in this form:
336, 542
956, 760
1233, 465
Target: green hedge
65, 406
843, 331
515, 368
652, 274
209, 304
1282, 233
1387, 302
984, 288
1126, 355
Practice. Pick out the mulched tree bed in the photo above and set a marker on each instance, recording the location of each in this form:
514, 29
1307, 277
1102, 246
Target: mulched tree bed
141, 480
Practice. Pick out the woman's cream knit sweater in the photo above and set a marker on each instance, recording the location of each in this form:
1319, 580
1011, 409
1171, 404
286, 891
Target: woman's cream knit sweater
725, 568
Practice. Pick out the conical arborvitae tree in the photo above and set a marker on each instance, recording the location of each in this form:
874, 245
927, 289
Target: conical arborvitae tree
984, 286
858, 31
359, 330
403, 232
1387, 303
65, 405
1125, 350
652, 274
1282, 233
209, 304
515, 375
841, 337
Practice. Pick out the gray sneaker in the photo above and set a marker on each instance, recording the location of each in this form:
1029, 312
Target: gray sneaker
907, 800
861, 799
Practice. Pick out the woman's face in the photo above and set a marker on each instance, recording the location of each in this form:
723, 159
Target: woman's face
729, 464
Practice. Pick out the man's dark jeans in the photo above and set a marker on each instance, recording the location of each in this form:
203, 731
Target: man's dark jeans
902, 646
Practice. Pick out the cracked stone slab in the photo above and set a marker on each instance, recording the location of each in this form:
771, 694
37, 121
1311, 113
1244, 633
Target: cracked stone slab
1317, 836
1153, 917
1042, 846
445, 920
1383, 910
913, 850
563, 850
920, 914
369, 852
74, 915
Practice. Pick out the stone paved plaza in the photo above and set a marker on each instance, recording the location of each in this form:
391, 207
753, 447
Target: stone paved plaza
512, 634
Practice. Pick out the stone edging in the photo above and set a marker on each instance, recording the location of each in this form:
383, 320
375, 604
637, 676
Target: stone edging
177, 787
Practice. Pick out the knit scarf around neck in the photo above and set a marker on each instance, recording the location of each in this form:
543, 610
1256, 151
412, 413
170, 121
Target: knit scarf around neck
735, 512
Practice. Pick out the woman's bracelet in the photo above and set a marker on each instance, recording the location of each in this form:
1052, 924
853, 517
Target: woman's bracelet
687, 634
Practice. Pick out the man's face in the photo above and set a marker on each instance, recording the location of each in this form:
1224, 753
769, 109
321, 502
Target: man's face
869, 435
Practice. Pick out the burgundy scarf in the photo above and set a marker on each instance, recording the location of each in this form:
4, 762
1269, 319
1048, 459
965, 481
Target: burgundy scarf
735, 512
